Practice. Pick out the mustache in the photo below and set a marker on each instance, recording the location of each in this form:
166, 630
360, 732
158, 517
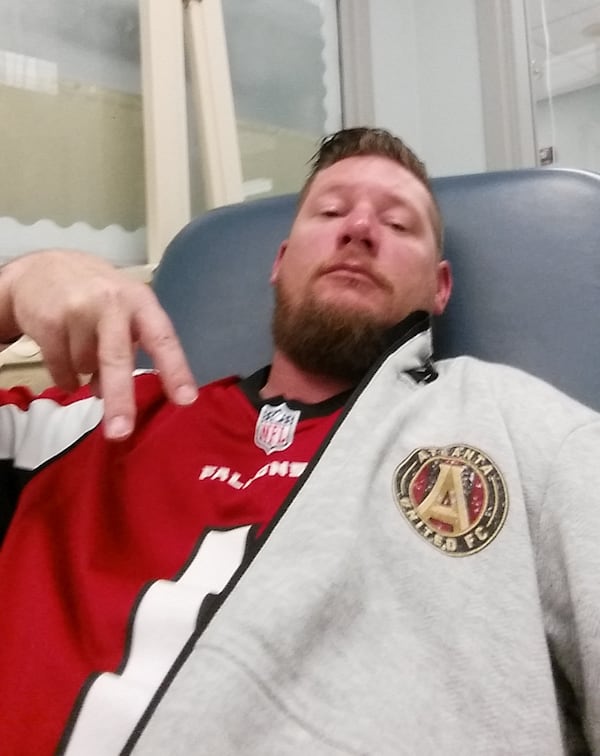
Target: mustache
377, 278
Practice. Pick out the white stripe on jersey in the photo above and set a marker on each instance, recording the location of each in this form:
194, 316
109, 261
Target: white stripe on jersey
33, 436
165, 620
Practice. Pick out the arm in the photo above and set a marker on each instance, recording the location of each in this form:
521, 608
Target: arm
569, 571
88, 318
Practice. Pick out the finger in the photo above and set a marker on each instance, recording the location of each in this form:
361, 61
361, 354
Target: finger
57, 359
94, 385
83, 347
115, 367
157, 336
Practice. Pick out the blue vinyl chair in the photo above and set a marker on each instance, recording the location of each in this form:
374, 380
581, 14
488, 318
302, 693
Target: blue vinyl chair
524, 246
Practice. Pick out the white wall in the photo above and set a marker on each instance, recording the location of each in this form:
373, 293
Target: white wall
427, 85
395, 68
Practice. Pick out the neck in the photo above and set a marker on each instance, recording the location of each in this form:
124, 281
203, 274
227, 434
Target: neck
288, 380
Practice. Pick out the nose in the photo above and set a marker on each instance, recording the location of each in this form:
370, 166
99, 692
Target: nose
360, 228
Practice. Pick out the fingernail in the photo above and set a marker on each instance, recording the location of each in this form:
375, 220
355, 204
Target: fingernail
185, 394
118, 427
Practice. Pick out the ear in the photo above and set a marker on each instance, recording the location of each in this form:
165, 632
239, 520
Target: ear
277, 262
444, 287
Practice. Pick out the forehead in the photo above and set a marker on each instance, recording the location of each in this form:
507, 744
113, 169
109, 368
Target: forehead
374, 175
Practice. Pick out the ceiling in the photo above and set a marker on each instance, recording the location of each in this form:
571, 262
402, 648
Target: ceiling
564, 45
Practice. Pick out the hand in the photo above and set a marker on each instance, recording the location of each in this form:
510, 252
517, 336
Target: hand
88, 318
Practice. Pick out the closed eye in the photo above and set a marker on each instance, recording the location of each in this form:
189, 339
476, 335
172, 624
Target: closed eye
397, 226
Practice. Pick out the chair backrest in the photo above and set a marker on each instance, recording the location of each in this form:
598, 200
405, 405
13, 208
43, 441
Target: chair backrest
524, 246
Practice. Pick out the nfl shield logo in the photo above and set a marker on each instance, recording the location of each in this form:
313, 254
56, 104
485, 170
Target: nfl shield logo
275, 427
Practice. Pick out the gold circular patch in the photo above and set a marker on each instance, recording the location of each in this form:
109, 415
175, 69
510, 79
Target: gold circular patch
454, 497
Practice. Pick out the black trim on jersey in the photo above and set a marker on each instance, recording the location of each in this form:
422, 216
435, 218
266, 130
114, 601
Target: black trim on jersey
252, 385
75, 710
12, 482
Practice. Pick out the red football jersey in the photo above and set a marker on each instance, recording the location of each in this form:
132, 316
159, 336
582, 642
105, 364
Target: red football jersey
106, 536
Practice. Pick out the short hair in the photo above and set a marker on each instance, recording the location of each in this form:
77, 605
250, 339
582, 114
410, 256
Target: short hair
362, 140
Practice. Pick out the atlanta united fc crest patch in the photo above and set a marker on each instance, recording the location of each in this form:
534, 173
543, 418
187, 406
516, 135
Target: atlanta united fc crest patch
454, 497
275, 427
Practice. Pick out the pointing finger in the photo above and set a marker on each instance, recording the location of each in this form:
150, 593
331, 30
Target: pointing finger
115, 367
158, 338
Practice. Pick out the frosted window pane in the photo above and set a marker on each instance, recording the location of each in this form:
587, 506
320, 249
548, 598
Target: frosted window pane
72, 139
283, 56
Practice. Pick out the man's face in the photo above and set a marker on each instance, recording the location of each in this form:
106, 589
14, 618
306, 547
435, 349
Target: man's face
363, 244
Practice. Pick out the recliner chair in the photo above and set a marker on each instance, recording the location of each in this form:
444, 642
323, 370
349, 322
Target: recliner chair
525, 250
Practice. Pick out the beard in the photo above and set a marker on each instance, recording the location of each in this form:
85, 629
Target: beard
325, 339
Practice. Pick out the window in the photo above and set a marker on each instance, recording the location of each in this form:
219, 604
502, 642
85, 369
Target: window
283, 61
564, 40
71, 157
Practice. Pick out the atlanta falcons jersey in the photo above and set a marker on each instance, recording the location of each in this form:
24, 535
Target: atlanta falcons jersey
99, 529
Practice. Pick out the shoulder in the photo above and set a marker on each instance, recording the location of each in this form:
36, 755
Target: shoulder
509, 383
522, 399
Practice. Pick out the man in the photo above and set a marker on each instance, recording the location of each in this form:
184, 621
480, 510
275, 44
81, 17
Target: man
352, 551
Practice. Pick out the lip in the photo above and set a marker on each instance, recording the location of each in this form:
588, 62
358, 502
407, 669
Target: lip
355, 271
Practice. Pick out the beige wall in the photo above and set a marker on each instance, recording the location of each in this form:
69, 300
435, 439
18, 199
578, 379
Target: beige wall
279, 154
76, 155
